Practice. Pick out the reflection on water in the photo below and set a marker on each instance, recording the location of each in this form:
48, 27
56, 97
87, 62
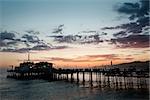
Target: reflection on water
11, 89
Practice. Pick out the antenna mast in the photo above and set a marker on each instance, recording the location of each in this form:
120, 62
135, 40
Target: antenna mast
28, 56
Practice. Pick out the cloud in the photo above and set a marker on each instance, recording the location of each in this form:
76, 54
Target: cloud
135, 10
91, 31
32, 32
60, 47
106, 56
128, 58
138, 16
7, 35
89, 58
78, 39
103, 57
10, 43
132, 41
4, 43
34, 48
59, 29
8, 38
41, 47
103, 33
120, 34
128, 8
31, 38
46, 47
61, 26
61, 59
132, 27
70, 59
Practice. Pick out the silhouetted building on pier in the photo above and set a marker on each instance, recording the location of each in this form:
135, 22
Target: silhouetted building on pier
30, 66
30, 70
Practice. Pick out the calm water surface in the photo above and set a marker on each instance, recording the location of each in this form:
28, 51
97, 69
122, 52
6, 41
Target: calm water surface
11, 89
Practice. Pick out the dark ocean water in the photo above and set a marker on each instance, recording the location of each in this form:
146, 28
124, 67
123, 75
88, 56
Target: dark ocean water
11, 89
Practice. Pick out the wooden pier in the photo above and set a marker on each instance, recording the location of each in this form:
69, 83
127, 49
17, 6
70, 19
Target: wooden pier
114, 78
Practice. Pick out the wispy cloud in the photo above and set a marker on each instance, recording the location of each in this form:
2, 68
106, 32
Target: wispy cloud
105, 56
32, 32
78, 39
34, 48
132, 41
120, 34
58, 29
10, 43
89, 58
31, 38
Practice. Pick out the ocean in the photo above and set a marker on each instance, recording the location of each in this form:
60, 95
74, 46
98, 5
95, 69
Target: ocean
11, 89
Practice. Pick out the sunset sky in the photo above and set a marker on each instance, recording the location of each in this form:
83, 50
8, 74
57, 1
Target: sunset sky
74, 33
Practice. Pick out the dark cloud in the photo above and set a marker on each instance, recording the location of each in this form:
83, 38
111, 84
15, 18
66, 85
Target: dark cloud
61, 59
132, 27
102, 56
135, 10
8, 38
138, 16
128, 8
120, 34
59, 47
32, 32
34, 48
59, 29
132, 41
103, 33
79, 39
56, 36
92, 39
7, 35
41, 47
61, 26
10, 43
5, 43
31, 38
91, 31
46, 47
65, 39
17, 50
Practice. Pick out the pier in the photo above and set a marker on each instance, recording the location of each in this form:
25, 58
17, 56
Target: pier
102, 77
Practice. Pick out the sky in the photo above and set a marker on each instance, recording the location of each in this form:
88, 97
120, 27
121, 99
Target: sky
74, 33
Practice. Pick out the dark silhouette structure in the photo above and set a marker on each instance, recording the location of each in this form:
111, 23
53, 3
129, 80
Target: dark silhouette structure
104, 77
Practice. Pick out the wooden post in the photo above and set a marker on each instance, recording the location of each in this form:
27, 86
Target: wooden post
124, 78
77, 77
91, 78
108, 81
83, 78
116, 81
67, 77
71, 76
100, 79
